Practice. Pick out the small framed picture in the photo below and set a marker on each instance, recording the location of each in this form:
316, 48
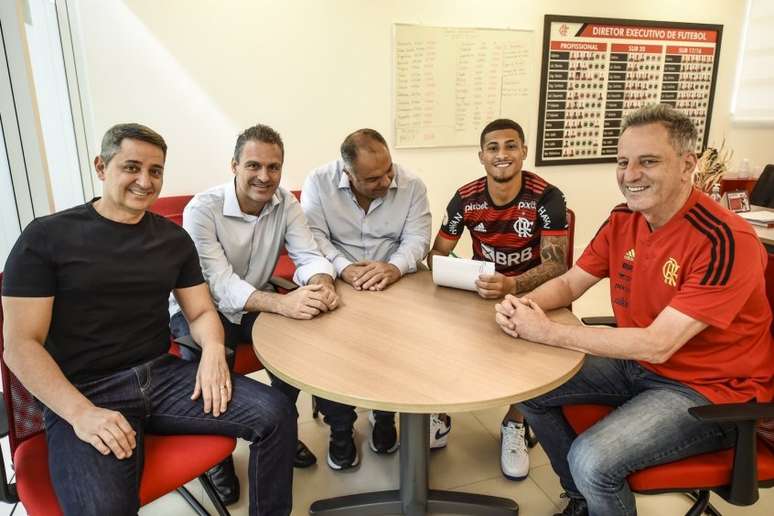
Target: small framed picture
737, 201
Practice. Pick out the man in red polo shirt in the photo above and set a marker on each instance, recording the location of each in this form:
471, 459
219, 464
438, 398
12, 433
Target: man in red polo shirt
688, 292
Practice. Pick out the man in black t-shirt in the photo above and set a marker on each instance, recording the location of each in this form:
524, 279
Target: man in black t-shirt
86, 331
518, 221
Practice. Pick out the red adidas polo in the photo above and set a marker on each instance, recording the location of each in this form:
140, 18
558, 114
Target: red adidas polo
707, 263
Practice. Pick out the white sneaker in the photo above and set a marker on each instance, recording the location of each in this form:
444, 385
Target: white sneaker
439, 431
514, 459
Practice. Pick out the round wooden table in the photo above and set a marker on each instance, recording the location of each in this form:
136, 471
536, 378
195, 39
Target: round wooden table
414, 348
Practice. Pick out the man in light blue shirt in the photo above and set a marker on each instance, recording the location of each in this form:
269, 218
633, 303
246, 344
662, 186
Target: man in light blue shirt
369, 216
239, 229
371, 219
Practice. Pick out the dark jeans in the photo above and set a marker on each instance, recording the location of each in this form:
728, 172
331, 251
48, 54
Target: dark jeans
650, 425
340, 417
155, 397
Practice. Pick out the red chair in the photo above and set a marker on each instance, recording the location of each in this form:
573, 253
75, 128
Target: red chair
172, 207
770, 284
169, 463
285, 267
735, 474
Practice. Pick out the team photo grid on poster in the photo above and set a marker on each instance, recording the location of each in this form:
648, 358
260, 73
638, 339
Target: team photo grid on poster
596, 71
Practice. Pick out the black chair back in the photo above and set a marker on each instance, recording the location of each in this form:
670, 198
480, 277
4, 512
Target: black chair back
763, 192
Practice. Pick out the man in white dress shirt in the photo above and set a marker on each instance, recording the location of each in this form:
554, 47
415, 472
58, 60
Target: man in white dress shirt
371, 219
239, 229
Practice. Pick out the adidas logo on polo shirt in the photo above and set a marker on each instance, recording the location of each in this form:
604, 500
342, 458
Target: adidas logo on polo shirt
480, 228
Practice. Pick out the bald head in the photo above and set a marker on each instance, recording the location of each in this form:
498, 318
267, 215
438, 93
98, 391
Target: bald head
362, 141
368, 164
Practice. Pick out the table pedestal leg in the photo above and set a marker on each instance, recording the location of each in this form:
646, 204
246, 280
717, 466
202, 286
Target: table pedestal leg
414, 451
414, 498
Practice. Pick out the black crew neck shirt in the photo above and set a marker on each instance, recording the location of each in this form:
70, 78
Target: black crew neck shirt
110, 282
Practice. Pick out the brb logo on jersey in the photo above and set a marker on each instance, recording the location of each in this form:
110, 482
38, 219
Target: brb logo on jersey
506, 259
523, 227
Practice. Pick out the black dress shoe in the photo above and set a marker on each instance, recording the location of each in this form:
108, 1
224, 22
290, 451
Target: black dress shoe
576, 507
226, 483
304, 456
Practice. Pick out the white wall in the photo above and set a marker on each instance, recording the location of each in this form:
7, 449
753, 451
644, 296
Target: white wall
200, 71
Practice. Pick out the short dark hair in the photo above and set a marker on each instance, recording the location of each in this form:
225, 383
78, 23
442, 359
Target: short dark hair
499, 124
111, 142
356, 140
258, 133
682, 132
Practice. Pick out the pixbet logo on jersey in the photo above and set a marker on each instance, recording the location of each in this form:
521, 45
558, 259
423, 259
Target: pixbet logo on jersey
476, 206
506, 259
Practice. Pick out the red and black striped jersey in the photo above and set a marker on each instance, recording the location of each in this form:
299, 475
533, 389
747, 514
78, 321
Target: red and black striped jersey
508, 235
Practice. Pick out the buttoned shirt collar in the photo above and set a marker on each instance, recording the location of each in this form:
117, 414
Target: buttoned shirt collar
344, 184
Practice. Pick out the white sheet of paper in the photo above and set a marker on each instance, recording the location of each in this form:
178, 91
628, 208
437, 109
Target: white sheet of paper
459, 272
758, 216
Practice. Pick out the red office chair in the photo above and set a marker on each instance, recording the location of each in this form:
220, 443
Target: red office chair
169, 463
734, 474
172, 207
285, 267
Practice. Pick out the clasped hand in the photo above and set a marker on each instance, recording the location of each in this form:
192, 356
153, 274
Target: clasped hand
370, 275
521, 317
309, 301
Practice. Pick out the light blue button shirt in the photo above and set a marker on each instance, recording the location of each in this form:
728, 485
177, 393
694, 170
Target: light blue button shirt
238, 252
396, 228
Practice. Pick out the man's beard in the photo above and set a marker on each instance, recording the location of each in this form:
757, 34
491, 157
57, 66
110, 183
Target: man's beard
499, 179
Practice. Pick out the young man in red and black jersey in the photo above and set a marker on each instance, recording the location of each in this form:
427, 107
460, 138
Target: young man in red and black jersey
518, 221
688, 292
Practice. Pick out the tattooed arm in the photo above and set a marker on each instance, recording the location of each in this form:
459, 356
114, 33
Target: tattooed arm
553, 263
553, 252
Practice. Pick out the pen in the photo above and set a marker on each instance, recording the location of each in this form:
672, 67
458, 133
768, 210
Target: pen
451, 253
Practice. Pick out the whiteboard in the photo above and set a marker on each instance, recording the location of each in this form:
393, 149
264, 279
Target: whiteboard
449, 82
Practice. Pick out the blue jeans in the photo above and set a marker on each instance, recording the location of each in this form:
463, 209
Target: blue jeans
650, 425
339, 416
155, 398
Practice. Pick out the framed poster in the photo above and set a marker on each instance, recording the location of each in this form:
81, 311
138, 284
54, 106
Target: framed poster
595, 71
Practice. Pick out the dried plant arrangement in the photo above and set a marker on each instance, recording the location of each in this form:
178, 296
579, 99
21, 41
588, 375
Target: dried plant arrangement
711, 166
